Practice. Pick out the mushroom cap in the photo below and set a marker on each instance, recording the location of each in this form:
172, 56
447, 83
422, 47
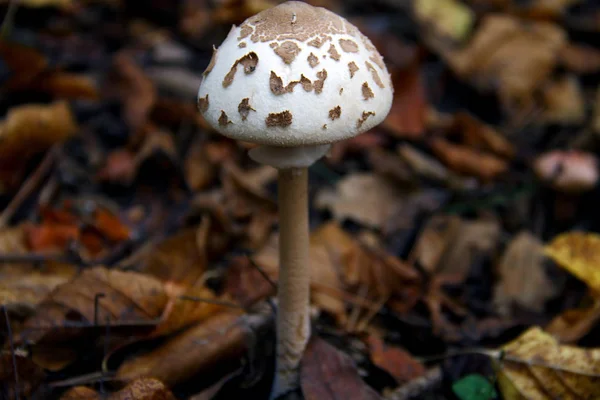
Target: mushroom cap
568, 171
295, 75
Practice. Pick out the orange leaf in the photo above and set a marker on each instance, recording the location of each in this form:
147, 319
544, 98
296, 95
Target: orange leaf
50, 236
397, 362
110, 226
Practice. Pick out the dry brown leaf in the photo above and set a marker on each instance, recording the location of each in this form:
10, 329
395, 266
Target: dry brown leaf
143, 389
365, 198
135, 90
395, 361
478, 135
513, 56
536, 366
221, 338
465, 160
580, 59
389, 165
245, 283
522, 277
407, 116
33, 128
129, 298
433, 239
328, 374
428, 167
200, 172
66, 85
180, 260
30, 376
571, 325
563, 101
24, 62
80, 393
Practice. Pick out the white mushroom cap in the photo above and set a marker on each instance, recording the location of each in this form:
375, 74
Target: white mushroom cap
295, 75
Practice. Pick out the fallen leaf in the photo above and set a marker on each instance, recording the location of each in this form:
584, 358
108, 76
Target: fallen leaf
143, 389
447, 19
407, 116
80, 393
328, 374
221, 338
480, 136
535, 366
120, 167
357, 144
579, 254
180, 259
522, 277
428, 167
66, 85
200, 172
128, 298
563, 101
135, 90
245, 283
567, 171
30, 376
433, 240
365, 198
390, 166
32, 128
394, 360
465, 160
573, 324
25, 63
580, 59
51, 236
508, 54
110, 226
474, 387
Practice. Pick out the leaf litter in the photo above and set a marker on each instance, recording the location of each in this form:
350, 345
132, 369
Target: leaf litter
138, 249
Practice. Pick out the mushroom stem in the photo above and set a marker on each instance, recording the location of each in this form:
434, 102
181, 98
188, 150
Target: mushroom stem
293, 321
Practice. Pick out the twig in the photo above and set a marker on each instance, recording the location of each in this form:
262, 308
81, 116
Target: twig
29, 186
417, 387
12, 351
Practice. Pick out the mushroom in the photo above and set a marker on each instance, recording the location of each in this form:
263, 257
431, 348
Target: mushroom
293, 79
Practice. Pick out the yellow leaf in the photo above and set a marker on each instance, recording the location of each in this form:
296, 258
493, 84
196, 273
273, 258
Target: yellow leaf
449, 18
578, 253
536, 366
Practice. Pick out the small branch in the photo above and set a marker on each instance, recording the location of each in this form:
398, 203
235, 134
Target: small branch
32, 182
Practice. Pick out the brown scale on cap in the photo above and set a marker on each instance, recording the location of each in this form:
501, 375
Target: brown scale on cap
341, 91
244, 108
320, 82
281, 119
242, 45
318, 42
277, 87
375, 75
203, 104
378, 60
224, 119
287, 51
335, 113
367, 92
313, 61
353, 68
348, 46
333, 53
211, 63
306, 83
249, 62
296, 21
324, 126
363, 118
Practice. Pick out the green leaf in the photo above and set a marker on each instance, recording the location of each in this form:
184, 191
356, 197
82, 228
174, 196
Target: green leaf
474, 387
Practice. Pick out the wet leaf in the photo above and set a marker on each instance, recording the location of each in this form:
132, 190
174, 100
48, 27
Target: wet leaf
364, 198
465, 160
579, 254
219, 339
522, 277
536, 365
394, 360
474, 387
510, 55
129, 297
327, 374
